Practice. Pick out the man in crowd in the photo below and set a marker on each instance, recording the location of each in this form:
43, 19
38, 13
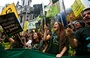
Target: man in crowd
81, 38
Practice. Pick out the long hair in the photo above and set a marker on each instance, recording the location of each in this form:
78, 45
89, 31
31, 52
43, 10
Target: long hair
62, 35
39, 37
61, 31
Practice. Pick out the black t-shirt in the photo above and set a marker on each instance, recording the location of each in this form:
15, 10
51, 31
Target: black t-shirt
54, 46
83, 36
6, 39
38, 45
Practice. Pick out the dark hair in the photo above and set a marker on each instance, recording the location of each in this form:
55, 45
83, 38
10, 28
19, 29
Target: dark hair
3, 34
61, 32
85, 10
68, 26
62, 36
39, 37
82, 23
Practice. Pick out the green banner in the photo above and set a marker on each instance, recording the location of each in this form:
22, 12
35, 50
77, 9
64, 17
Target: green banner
27, 53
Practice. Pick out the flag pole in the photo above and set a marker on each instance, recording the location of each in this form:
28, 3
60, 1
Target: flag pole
64, 7
60, 5
64, 10
43, 13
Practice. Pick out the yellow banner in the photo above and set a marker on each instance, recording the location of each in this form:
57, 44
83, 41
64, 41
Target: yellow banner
10, 8
77, 7
25, 26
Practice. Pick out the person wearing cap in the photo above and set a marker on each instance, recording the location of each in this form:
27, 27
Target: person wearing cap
80, 40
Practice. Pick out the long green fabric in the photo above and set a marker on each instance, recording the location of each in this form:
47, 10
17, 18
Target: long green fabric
27, 53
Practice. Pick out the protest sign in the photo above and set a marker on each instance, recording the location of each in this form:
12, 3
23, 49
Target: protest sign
77, 7
9, 9
10, 24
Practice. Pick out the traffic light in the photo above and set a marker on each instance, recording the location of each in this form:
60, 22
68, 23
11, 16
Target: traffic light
54, 1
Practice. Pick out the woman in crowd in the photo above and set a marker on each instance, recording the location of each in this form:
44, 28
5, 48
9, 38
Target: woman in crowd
7, 41
79, 24
58, 41
28, 40
18, 41
47, 36
37, 41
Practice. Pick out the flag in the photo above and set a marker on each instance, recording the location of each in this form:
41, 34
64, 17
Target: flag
10, 8
25, 26
38, 18
55, 9
49, 13
77, 7
48, 10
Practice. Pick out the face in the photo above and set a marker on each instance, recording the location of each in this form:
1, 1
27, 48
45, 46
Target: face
86, 16
56, 26
35, 36
77, 25
3, 36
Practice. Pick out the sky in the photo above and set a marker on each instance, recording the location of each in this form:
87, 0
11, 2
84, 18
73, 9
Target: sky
3, 2
15, 1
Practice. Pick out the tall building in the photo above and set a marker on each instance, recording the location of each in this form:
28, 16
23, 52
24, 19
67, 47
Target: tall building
24, 11
26, 2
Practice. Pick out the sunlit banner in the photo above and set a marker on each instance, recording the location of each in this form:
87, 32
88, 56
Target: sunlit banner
77, 7
9, 9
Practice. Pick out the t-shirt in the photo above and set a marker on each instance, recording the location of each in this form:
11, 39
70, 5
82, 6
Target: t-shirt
38, 46
83, 36
54, 46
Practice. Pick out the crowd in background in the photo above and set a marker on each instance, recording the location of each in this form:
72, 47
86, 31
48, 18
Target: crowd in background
61, 41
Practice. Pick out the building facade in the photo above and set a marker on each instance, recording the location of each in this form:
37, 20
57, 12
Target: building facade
25, 11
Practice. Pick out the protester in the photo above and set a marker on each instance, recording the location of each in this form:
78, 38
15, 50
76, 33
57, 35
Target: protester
37, 41
7, 41
28, 40
71, 50
58, 42
78, 24
18, 41
81, 39
47, 36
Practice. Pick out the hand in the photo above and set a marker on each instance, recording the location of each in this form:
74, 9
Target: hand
1, 40
58, 55
69, 32
45, 27
43, 51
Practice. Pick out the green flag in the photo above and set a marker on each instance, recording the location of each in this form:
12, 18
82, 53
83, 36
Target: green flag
38, 18
55, 9
49, 13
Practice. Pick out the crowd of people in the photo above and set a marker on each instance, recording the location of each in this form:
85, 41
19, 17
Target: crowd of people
76, 36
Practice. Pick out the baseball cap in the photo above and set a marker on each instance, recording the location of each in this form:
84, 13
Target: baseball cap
85, 9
